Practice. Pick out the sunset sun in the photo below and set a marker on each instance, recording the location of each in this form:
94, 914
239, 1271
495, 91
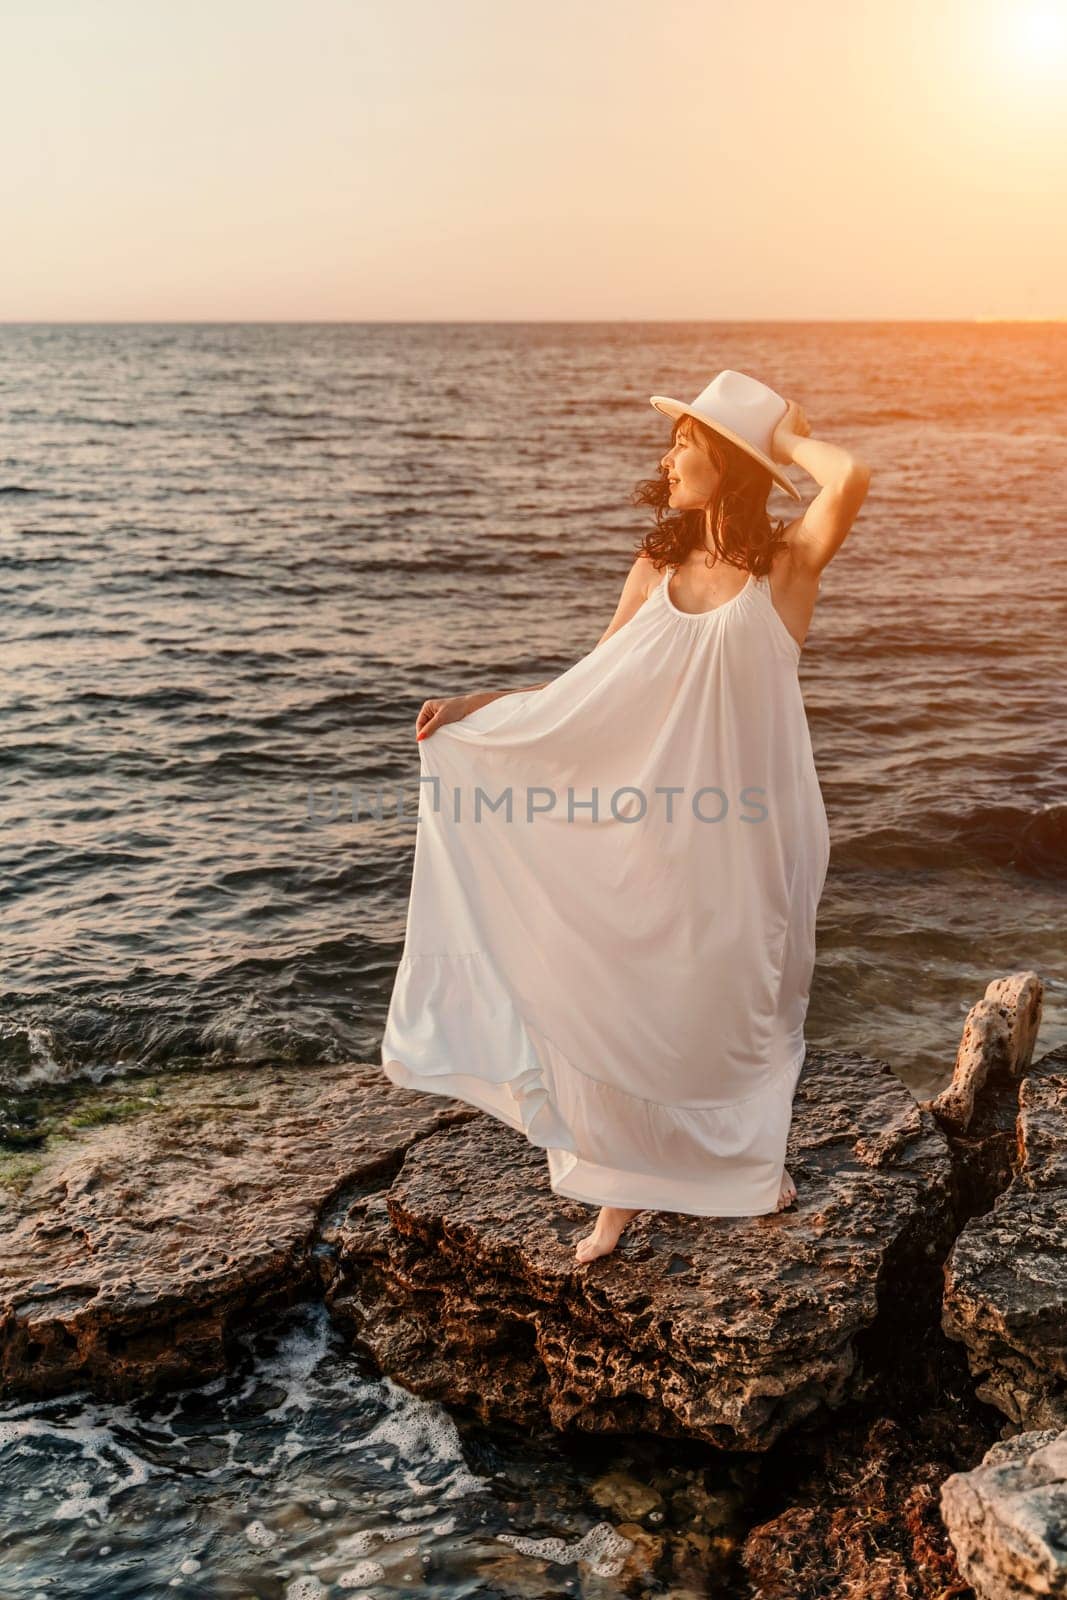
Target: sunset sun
1036, 37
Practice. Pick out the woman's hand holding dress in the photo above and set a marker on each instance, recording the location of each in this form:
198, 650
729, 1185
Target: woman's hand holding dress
436, 712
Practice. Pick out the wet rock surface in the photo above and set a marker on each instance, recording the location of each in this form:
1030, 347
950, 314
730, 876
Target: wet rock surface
461, 1278
135, 1244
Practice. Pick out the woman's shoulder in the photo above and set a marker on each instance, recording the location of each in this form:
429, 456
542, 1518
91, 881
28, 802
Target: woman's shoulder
640, 581
645, 574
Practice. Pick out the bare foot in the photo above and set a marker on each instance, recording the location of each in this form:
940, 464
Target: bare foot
787, 1193
605, 1235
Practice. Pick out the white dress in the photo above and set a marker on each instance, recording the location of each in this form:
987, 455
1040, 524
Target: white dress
625, 985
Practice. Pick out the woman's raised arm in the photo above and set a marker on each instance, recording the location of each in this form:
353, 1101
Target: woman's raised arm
816, 536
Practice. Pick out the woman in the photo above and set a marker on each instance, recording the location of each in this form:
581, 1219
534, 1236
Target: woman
610, 936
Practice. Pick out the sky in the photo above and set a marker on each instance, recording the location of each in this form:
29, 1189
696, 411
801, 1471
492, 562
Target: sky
455, 160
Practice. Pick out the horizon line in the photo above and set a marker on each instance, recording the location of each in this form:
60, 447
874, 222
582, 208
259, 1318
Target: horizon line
489, 322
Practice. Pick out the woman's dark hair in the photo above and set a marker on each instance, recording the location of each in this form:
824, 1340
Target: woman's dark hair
741, 530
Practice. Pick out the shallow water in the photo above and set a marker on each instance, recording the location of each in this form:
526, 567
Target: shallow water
302, 1475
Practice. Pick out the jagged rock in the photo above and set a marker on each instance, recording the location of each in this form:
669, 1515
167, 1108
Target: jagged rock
1006, 1277
136, 1245
998, 1035
1042, 1125
461, 1280
984, 1047
864, 1523
1006, 1300
978, 1110
1019, 998
985, 1155
1007, 1518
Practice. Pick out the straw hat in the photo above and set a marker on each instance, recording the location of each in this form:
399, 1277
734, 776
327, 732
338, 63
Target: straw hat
743, 410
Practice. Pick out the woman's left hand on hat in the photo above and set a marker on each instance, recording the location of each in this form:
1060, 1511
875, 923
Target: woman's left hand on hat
794, 425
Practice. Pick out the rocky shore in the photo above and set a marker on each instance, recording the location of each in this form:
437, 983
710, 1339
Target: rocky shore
891, 1352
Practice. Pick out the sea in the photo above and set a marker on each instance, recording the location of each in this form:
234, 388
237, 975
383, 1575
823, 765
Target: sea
236, 559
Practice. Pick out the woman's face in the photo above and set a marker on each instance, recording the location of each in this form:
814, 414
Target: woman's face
693, 476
